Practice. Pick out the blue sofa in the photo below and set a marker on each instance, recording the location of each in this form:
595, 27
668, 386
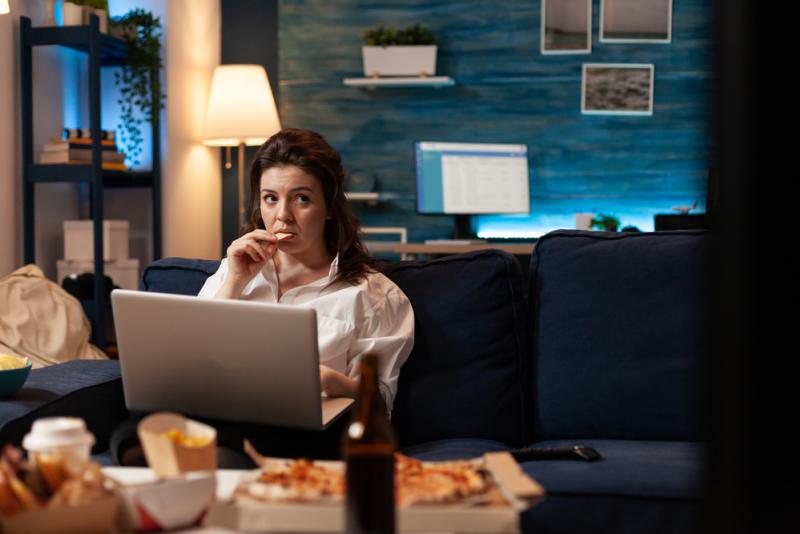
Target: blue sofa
600, 343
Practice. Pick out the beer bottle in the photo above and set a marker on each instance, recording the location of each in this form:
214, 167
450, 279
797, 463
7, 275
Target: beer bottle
368, 447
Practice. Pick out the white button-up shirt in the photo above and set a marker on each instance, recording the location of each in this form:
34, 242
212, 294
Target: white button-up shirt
374, 316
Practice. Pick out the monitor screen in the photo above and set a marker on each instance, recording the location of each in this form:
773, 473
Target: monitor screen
471, 178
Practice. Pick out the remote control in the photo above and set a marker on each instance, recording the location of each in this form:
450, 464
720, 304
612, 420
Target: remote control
576, 452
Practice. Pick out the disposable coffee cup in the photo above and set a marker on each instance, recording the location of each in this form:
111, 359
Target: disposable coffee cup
59, 445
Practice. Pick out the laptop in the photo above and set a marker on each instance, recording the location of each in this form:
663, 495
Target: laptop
225, 359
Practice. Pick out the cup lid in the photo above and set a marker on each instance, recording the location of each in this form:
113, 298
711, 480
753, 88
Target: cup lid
57, 432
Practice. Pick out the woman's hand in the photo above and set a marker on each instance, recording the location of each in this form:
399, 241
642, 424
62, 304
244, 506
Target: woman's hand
336, 384
246, 256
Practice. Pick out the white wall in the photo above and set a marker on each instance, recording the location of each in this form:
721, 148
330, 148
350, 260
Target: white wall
54, 202
192, 224
8, 152
191, 173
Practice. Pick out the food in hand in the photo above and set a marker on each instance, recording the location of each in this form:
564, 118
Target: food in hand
9, 361
282, 235
187, 440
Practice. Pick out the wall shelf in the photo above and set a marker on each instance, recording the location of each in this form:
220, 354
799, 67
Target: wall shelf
411, 81
102, 50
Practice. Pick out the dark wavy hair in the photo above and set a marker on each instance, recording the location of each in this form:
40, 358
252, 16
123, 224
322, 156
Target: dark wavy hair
310, 152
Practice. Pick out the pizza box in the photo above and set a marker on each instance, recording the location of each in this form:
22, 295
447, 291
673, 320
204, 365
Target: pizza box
98, 516
515, 492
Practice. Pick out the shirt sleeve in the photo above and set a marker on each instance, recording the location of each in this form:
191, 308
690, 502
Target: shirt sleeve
388, 331
214, 282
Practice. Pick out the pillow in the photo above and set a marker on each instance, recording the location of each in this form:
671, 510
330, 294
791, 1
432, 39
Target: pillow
617, 328
177, 275
467, 374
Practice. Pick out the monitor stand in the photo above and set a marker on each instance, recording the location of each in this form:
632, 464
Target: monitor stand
462, 227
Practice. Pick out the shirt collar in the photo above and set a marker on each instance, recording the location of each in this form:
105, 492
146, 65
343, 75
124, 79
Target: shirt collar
269, 274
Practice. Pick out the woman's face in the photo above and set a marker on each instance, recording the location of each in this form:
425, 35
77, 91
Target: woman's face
293, 202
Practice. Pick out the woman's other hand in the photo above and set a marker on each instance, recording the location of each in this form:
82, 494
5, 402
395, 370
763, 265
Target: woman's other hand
336, 384
246, 256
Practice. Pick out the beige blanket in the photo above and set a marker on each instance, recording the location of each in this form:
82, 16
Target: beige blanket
40, 320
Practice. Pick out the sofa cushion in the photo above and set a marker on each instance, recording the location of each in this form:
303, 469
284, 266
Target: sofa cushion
91, 389
465, 377
177, 275
618, 322
663, 469
637, 486
453, 449
599, 514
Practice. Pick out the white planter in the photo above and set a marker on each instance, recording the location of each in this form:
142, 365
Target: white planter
399, 60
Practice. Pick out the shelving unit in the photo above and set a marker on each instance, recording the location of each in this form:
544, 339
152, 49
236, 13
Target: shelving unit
401, 81
103, 51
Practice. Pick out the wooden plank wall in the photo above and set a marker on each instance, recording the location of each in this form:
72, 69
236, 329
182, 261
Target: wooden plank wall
506, 92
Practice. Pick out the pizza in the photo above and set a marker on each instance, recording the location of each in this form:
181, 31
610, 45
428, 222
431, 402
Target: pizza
416, 482
419, 482
295, 481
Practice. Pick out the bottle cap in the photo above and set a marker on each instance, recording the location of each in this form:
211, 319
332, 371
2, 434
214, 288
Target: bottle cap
57, 433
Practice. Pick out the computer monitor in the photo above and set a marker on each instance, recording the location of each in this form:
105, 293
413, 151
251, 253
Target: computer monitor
471, 178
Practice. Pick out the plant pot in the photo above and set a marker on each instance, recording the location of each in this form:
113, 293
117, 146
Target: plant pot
410, 60
101, 14
72, 14
126, 31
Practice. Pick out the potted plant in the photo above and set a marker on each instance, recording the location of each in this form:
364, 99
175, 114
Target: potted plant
609, 223
139, 79
391, 52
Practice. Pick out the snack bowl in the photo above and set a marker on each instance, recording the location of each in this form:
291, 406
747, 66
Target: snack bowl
13, 379
174, 445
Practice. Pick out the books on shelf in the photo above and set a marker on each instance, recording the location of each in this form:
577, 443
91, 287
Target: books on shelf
79, 151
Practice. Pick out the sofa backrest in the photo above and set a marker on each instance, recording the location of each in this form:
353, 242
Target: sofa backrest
618, 324
467, 374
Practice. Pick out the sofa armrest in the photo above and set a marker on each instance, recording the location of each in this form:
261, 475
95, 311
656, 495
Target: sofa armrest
90, 389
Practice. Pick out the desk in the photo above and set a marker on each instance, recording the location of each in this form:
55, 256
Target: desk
519, 249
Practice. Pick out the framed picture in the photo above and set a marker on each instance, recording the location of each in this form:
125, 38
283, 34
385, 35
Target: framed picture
617, 89
635, 21
566, 27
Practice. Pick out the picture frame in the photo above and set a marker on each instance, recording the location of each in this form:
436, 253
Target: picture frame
636, 21
617, 89
566, 27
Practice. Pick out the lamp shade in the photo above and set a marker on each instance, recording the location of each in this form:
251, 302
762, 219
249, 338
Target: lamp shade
241, 108
4, 7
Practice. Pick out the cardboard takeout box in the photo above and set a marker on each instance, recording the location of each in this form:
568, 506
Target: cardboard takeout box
98, 516
516, 491
170, 459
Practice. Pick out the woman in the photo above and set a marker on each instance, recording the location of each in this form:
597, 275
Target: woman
301, 246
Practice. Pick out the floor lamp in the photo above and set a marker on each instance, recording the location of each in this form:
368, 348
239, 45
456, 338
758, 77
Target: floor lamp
241, 112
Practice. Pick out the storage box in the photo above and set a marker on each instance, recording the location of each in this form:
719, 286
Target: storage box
517, 492
124, 273
79, 240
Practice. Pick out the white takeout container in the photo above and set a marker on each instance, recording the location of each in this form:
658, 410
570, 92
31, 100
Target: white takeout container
167, 504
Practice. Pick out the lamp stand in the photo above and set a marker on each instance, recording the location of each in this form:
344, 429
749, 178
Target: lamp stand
241, 185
